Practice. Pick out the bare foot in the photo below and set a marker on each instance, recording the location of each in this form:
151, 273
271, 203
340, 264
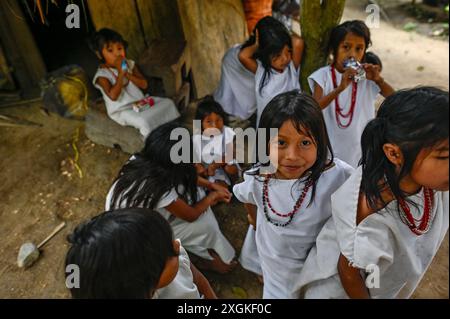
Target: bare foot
216, 264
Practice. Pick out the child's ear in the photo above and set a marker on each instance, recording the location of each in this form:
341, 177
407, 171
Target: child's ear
394, 154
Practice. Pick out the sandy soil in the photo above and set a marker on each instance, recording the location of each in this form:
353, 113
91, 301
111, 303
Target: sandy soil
36, 196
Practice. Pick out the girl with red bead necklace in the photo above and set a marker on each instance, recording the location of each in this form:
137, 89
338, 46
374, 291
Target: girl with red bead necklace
391, 215
289, 206
347, 100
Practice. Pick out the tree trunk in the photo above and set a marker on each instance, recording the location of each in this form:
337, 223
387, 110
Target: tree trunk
316, 22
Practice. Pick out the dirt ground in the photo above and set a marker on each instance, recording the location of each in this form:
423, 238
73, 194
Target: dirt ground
39, 187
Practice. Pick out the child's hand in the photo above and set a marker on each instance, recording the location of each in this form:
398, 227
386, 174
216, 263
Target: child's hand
372, 72
257, 38
219, 196
118, 64
347, 78
219, 187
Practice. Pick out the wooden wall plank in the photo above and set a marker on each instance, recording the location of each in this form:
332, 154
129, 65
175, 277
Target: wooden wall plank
121, 16
20, 47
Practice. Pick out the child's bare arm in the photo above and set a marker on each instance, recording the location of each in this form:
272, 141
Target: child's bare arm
354, 285
112, 91
324, 101
251, 214
137, 78
373, 72
246, 56
298, 46
202, 283
181, 209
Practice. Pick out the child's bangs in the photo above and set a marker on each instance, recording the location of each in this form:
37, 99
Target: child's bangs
303, 128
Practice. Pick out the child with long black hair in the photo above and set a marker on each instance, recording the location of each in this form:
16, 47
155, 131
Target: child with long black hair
274, 56
131, 253
348, 105
289, 208
151, 179
391, 215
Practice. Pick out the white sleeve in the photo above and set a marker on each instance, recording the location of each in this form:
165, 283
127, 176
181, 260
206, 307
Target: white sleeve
245, 191
374, 89
167, 199
317, 78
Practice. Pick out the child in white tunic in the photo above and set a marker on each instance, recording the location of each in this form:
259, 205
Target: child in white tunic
236, 90
292, 205
274, 57
214, 144
390, 217
152, 180
121, 84
130, 253
348, 105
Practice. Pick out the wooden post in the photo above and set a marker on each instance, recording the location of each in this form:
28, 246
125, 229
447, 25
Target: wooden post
317, 19
20, 48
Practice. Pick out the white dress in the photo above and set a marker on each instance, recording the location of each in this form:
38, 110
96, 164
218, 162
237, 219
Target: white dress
283, 250
121, 110
198, 236
236, 90
346, 142
381, 239
211, 149
278, 83
183, 286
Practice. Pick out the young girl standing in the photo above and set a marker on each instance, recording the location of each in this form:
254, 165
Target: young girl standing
274, 57
121, 84
348, 105
150, 179
215, 145
290, 206
391, 215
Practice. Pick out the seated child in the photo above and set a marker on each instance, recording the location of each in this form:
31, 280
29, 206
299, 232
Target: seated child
121, 82
214, 147
153, 179
130, 253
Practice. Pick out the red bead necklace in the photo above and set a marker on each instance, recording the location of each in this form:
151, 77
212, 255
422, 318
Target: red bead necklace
290, 215
337, 108
425, 221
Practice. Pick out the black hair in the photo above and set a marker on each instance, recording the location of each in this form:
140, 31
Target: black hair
338, 34
120, 254
413, 119
207, 106
103, 37
143, 181
372, 58
273, 37
306, 116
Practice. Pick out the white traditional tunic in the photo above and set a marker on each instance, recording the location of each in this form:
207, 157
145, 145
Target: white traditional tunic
210, 149
283, 250
198, 236
249, 258
183, 286
236, 91
276, 84
381, 239
346, 142
121, 110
